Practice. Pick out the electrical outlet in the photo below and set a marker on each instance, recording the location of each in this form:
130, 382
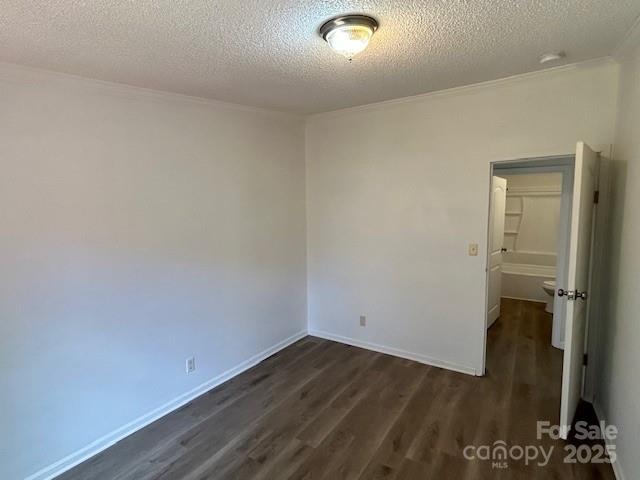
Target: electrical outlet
363, 321
473, 249
191, 364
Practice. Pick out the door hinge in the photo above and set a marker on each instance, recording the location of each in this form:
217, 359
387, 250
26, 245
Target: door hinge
596, 196
585, 359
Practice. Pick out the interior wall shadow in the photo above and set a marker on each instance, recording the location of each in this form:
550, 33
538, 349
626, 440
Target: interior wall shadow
611, 265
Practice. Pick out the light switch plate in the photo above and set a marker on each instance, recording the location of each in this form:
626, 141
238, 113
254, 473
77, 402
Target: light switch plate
473, 249
190, 365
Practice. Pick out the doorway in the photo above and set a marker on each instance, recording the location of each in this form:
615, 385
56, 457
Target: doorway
530, 223
574, 217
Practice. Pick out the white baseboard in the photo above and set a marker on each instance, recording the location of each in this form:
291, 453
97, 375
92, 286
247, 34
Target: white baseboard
617, 467
111, 438
534, 300
434, 362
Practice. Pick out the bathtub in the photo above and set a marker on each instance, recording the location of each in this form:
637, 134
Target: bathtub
524, 272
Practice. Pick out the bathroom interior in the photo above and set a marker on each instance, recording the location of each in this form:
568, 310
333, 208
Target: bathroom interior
532, 241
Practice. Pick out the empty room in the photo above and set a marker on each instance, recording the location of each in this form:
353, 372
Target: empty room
289, 239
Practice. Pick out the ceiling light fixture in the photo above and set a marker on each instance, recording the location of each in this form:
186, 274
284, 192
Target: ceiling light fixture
350, 34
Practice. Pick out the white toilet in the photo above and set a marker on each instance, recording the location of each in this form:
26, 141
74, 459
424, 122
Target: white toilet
549, 286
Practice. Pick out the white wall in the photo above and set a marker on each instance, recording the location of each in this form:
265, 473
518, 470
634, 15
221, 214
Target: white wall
136, 229
537, 227
531, 180
397, 191
618, 389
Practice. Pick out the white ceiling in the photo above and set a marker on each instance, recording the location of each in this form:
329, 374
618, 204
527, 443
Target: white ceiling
267, 53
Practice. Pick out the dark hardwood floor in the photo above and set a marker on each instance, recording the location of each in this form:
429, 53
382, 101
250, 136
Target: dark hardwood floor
320, 409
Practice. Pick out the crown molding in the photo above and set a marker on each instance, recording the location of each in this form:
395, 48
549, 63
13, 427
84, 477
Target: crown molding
24, 74
467, 88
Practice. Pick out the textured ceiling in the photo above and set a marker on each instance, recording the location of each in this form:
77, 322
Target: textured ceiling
266, 52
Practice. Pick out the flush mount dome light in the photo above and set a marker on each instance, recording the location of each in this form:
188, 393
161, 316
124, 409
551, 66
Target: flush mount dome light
350, 34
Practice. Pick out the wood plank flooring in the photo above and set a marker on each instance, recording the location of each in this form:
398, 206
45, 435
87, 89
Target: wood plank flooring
319, 409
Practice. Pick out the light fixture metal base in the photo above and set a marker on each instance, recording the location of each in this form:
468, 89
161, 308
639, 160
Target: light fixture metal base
363, 20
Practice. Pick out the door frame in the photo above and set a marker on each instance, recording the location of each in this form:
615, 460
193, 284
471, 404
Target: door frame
557, 163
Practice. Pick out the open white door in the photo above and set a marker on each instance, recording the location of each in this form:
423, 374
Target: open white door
496, 239
574, 295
